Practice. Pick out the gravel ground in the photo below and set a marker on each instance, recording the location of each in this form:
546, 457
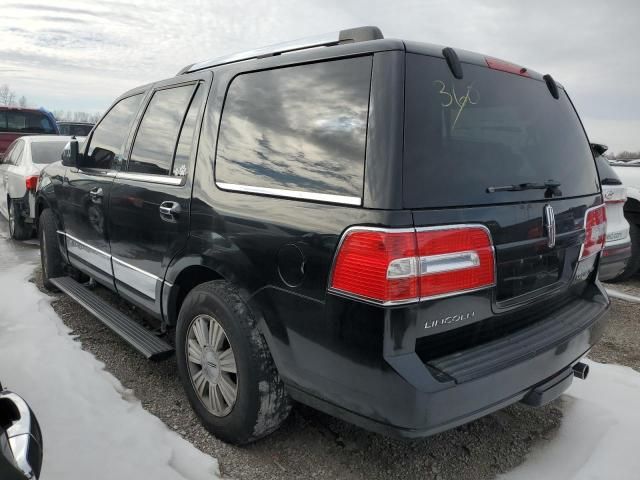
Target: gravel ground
314, 445
621, 341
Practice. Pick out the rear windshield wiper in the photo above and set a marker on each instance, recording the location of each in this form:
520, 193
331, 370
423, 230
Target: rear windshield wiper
549, 184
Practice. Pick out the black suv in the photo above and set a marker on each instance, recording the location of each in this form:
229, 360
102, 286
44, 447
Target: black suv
402, 235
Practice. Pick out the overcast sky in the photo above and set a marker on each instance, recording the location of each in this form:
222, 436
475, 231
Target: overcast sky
80, 55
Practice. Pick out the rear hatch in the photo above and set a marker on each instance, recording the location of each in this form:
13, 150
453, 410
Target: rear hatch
496, 148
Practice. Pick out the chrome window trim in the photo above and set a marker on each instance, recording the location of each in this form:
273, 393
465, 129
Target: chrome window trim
297, 194
145, 177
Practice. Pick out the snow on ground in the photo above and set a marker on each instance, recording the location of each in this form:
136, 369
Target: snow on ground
600, 433
91, 428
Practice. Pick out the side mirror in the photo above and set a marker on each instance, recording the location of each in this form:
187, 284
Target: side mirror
71, 153
599, 148
20, 439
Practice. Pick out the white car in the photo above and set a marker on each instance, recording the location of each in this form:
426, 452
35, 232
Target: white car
19, 171
629, 173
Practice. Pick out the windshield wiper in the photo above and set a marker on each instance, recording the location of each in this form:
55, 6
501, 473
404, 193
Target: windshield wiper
549, 184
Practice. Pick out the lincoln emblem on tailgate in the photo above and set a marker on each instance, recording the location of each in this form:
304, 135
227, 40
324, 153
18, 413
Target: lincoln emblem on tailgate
550, 225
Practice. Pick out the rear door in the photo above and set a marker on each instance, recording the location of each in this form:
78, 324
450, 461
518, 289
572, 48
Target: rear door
150, 199
85, 196
497, 149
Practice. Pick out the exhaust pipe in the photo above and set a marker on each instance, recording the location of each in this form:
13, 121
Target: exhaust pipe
581, 370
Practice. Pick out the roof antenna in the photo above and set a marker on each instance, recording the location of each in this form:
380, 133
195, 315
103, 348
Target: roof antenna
453, 61
552, 86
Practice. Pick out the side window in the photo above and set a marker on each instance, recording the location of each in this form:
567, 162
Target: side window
156, 139
300, 129
183, 149
108, 139
6, 157
16, 154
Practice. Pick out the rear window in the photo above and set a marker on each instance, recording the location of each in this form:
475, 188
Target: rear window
297, 131
26, 122
46, 152
488, 129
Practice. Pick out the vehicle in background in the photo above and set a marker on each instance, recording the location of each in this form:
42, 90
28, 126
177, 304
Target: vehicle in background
81, 129
617, 247
20, 439
629, 174
17, 122
19, 171
399, 234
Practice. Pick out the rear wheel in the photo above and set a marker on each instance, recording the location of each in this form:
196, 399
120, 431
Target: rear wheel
17, 227
225, 366
50, 255
634, 262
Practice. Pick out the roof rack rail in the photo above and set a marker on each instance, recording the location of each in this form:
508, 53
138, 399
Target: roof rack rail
351, 35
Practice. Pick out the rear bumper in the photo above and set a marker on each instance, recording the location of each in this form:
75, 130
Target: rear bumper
613, 261
532, 365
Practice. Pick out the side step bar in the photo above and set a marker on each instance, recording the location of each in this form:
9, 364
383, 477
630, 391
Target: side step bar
132, 332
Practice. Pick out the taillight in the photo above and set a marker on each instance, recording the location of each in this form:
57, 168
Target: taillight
394, 266
504, 66
31, 183
595, 227
455, 260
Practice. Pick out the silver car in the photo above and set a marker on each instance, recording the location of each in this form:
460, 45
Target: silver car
19, 171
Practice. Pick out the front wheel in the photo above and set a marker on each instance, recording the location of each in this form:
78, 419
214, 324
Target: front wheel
18, 229
225, 366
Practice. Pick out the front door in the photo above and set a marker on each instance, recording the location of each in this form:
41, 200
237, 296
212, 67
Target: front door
150, 198
85, 200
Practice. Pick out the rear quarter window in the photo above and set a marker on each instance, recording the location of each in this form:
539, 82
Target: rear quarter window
297, 129
490, 128
26, 122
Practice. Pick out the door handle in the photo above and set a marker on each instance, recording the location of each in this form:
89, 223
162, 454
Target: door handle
168, 210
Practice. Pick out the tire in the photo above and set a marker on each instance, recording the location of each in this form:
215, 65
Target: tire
17, 228
634, 262
50, 255
261, 403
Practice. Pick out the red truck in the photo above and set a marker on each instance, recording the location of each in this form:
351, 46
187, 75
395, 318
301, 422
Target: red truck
16, 122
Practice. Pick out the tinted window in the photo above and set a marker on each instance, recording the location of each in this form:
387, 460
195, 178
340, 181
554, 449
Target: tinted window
46, 152
26, 122
79, 130
490, 128
108, 139
297, 128
183, 150
16, 154
156, 139
607, 174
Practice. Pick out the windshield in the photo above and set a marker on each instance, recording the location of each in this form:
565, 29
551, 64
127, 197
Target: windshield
26, 122
47, 152
489, 129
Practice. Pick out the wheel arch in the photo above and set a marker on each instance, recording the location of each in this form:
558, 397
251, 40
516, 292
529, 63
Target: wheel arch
189, 277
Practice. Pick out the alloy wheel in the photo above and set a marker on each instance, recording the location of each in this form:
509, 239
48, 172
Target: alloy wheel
212, 365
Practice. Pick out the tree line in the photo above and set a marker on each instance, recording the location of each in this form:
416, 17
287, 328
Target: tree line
9, 98
624, 155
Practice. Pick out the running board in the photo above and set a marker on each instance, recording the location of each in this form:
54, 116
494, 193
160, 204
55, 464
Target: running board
131, 332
